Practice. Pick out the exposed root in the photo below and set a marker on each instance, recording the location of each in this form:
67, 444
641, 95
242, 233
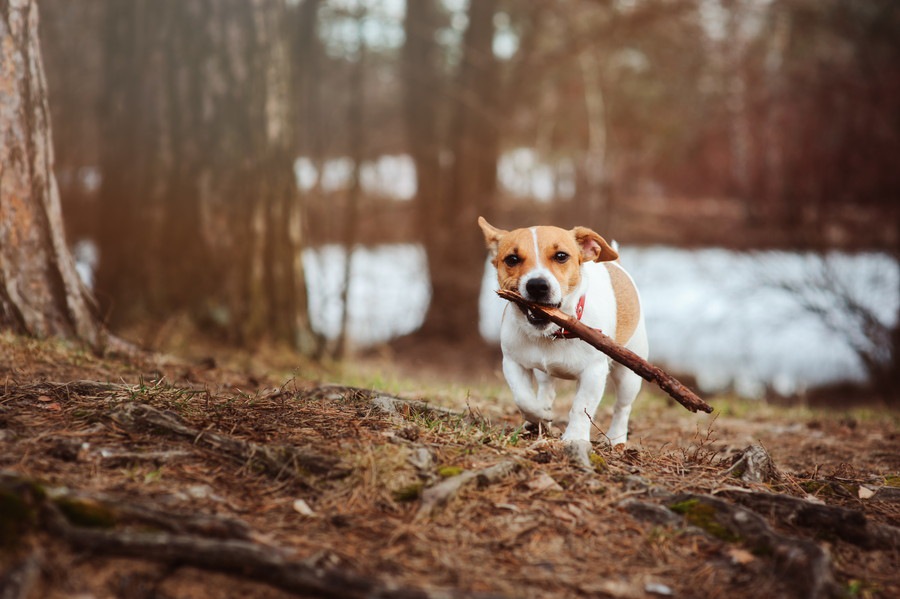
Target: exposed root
276, 460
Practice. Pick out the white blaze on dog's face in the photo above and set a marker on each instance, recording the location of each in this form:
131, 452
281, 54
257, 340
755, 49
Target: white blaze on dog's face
543, 264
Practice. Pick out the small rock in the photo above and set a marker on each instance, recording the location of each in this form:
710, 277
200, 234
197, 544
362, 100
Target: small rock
865, 492
301, 507
657, 588
421, 459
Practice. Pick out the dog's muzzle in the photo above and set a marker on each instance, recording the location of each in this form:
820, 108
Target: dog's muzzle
539, 291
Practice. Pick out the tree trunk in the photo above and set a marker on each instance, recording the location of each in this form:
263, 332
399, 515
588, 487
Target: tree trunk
356, 124
454, 244
422, 96
128, 155
40, 292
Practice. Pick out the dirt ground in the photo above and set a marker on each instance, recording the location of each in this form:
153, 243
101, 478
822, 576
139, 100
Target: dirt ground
149, 479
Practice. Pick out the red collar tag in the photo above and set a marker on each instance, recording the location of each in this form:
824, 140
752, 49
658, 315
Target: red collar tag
563, 333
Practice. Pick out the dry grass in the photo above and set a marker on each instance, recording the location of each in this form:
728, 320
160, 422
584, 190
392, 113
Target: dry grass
546, 530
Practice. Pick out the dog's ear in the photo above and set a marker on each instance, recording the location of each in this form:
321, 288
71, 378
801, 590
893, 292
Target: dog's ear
492, 235
593, 247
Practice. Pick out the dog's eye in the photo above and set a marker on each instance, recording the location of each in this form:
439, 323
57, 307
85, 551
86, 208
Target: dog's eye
561, 257
511, 260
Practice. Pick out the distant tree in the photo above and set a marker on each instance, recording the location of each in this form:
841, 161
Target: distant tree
40, 292
199, 207
450, 198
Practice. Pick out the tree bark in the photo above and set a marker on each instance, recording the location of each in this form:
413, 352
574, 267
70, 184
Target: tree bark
40, 292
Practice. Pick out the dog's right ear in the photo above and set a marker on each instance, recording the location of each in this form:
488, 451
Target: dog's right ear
492, 235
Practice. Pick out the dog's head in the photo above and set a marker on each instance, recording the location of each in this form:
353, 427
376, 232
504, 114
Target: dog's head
543, 264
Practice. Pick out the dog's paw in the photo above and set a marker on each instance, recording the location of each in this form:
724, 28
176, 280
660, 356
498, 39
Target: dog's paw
579, 453
535, 415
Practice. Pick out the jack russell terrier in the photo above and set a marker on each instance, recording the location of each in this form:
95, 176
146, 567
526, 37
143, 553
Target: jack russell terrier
578, 272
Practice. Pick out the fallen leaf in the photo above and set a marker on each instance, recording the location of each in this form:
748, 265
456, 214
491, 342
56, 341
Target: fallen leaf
45, 398
576, 511
740, 556
543, 482
865, 492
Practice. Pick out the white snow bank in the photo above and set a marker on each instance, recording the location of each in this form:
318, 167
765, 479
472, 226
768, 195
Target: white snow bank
742, 321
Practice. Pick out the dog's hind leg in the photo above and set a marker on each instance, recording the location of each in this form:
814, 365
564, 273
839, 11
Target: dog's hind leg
587, 398
628, 385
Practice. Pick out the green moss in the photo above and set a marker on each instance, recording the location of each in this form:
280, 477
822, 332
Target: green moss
598, 462
892, 480
409, 492
83, 512
449, 471
703, 515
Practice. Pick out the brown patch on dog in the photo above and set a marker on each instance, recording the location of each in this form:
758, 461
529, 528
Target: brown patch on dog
628, 305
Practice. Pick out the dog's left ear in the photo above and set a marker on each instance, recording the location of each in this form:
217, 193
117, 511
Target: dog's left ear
492, 235
593, 247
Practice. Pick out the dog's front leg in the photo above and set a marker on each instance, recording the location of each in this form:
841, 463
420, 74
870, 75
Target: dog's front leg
522, 387
587, 399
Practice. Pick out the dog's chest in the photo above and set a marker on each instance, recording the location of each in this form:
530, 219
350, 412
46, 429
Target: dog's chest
561, 358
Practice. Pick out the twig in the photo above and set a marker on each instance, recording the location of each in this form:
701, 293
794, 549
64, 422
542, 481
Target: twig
624, 356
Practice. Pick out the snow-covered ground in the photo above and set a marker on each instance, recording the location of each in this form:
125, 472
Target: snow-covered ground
731, 319
388, 296
749, 321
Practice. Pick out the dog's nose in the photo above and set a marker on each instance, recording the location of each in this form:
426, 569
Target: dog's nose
538, 289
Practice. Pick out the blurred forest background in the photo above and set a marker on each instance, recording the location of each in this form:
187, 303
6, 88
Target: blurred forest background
203, 145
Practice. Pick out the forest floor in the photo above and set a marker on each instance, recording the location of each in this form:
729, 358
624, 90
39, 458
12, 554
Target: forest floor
146, 479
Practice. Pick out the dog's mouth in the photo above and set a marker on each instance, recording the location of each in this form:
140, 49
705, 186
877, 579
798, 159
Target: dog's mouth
536, 319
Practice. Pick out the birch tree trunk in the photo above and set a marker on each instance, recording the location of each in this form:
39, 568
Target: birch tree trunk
40, 292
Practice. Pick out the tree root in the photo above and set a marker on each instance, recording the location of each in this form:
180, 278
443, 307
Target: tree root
804, 565
18, 582
94, 524
841, 523
276, 460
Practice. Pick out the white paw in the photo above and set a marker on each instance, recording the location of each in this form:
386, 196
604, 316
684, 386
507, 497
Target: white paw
542, 415
617, 437
579, 452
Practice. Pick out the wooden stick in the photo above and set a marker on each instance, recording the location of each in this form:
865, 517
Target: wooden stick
624, 356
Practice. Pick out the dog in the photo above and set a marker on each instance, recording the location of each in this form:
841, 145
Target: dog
578, 272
